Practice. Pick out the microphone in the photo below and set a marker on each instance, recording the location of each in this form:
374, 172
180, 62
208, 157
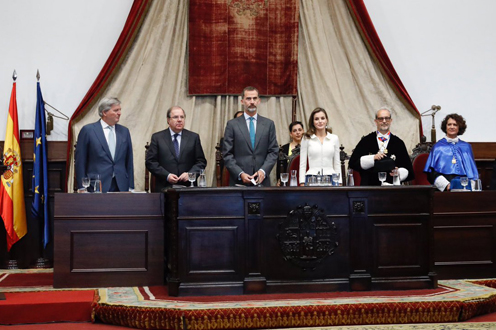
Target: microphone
435, 108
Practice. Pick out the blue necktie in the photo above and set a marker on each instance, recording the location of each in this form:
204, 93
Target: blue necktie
252, 132
176, 145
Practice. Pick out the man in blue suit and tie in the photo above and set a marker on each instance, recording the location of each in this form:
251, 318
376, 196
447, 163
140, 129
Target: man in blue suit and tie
250, 147
105, 148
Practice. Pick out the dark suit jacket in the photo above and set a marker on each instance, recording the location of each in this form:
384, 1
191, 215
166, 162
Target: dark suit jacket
93, 157
161, 157
368, 146
239, 156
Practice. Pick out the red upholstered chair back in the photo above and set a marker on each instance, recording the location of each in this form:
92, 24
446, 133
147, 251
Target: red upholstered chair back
357, 178
225, 177
295, 165
418, 169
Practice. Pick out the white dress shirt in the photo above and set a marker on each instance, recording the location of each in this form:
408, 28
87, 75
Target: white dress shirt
322, 157
106, 131
247, 119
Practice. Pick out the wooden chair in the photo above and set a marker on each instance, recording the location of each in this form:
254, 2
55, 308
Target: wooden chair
149, 178
221, 172
74, 182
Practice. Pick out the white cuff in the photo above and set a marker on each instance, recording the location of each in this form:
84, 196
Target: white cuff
441, 183
367, 162
403, 173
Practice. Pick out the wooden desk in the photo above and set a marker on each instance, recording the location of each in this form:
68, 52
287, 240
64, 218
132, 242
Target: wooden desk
106, 240
263, 240
465, 234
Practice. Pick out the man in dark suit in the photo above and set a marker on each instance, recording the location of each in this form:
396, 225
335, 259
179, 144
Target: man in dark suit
376, 149
174, 152
104, 148
250, 147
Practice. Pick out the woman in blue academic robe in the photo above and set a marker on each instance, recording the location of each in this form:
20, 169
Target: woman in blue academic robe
451, 158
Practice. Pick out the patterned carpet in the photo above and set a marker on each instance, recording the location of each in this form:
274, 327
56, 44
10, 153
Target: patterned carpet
430, 326
151, 308
131, 307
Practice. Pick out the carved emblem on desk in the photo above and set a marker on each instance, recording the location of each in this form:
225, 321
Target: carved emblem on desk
307, 237
253, 208
358, 206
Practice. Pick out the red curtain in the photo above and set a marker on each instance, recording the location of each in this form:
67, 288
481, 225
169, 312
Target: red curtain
234, 44
371, 39
131, 27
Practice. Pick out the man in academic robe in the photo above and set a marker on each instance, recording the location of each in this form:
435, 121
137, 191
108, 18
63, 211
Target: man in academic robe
381, 148
250, 148
174, 152
105, 149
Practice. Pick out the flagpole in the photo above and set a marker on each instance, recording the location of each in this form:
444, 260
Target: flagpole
41, 262
12, 264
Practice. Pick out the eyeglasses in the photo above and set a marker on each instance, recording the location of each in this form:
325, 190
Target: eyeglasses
383, 118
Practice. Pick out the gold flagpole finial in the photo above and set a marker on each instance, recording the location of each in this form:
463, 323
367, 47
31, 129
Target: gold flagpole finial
14, 75
38, 74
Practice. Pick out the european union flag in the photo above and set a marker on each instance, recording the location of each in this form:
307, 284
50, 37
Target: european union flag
40, 169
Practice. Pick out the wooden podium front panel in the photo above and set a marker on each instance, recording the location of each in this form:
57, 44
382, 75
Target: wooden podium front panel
108, 240
465, 234
279, 271
298, 239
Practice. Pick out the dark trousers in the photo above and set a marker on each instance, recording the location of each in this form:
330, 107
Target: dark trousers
113, 185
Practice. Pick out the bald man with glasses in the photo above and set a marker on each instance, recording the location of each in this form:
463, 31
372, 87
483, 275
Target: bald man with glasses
381, 151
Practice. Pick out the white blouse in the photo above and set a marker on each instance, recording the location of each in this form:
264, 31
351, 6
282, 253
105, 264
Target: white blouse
322, 157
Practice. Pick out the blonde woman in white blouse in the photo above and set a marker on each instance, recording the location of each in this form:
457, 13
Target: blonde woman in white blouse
320, 147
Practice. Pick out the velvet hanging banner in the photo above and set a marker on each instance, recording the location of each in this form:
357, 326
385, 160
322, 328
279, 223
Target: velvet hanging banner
239, 43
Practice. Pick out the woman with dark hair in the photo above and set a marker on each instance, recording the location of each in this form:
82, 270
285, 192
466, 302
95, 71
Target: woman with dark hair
296, 132
238, 113
451, 158
319, 147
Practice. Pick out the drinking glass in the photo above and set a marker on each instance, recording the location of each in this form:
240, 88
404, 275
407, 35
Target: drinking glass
335, 179
326, 181
464, 182
284, 178
318, 179
382, 177
191, 178
86, 183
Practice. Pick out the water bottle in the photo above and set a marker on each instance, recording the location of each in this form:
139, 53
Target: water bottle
396, 178
351, 180
294, 181
98, 184
202, 179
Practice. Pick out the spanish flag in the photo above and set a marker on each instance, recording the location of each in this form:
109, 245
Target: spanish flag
12, 207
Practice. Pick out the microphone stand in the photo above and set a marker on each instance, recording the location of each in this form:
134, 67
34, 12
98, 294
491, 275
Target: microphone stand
432, 112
